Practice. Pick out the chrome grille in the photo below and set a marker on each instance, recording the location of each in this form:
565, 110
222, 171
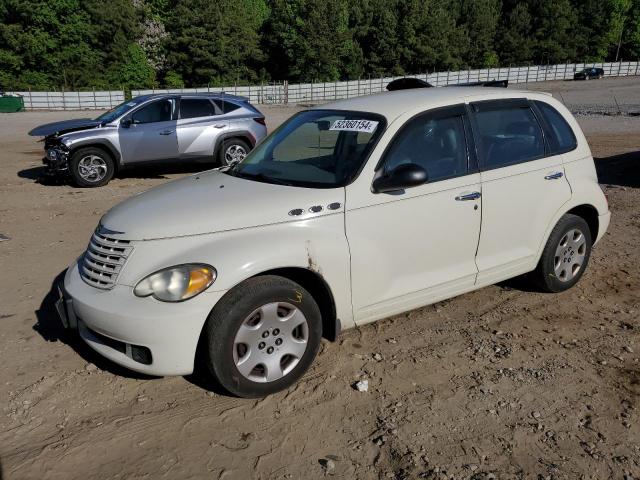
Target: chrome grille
103, 260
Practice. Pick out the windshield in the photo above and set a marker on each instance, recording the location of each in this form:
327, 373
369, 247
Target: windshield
315, 148
115, 112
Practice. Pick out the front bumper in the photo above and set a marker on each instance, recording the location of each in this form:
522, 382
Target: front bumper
115, 322
56, 160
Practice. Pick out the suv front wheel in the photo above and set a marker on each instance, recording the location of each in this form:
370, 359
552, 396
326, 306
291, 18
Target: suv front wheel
565, 256
91, 167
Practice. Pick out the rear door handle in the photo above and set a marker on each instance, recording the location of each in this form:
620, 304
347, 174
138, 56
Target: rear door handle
219, 125
553, 176
468, 196
166, 132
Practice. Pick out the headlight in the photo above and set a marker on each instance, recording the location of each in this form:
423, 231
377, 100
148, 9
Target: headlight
175, 284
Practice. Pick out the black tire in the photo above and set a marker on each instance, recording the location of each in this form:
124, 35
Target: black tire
106, 169
226, 145
544, 276
233, 310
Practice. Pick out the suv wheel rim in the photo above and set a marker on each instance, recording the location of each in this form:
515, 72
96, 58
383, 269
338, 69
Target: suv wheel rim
234, 154
270, 342
92, 168
570, 255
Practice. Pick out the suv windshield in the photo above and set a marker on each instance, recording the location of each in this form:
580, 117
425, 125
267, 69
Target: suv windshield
115, 112
315, 148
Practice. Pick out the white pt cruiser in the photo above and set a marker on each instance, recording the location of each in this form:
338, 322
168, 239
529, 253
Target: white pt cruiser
346, 214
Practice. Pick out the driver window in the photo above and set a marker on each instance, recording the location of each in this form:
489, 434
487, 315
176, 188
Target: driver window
437, 144
158, 111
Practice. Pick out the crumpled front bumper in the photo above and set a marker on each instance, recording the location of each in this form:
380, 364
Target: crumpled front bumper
56, 160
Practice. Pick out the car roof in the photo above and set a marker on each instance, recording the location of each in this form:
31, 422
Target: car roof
210, 95
393, 104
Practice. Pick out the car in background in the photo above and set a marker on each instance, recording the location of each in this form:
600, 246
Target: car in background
150, 129
589, 74
348, 213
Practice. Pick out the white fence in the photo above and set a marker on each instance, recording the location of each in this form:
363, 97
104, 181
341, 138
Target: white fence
94, 100
283, 93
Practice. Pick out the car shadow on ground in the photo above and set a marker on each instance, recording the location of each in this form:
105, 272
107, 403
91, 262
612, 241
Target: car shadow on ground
50, 328
621, 170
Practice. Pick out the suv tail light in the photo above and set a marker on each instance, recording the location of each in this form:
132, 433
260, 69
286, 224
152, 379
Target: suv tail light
260, 120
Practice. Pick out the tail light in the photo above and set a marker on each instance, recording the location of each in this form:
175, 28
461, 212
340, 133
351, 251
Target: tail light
260, 120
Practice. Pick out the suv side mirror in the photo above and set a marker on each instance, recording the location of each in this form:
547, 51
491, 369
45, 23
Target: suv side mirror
125, 123
403, 176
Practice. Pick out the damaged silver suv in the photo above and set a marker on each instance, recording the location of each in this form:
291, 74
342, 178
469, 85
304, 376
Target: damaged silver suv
150, 129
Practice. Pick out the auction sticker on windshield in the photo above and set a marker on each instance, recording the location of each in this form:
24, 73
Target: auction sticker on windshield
367, 126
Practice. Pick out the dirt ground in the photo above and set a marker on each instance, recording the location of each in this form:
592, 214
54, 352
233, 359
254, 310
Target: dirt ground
502, 383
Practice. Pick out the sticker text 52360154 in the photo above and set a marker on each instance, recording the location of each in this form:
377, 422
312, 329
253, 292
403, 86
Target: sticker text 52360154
367, 126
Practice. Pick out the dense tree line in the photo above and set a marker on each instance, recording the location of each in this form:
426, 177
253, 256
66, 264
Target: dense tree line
73, 44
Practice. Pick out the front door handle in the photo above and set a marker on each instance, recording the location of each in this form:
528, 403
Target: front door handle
553, 176
468, 196
166, 132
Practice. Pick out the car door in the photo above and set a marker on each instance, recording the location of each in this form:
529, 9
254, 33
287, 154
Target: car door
523, 186
199, 125
418, 245
149, 132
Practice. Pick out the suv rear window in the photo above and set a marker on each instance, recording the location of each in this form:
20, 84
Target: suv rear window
196, 107
226, 106
508, 135
562, 136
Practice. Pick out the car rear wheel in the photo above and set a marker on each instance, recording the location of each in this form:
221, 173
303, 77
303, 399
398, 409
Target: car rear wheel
565, 256
232, 151
262, 336
91, 167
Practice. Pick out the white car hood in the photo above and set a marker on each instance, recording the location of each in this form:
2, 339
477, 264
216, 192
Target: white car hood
213, 202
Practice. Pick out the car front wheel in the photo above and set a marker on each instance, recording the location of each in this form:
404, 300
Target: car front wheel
262, 336
565, 256
91, 167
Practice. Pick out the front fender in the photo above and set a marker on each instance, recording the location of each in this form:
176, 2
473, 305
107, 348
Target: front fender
318, 244
101, 137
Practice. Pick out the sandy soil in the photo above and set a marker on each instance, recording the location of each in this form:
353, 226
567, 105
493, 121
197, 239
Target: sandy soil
500, 383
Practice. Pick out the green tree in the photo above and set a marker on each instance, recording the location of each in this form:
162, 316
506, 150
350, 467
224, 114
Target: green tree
310, 40
213, 42
514, 41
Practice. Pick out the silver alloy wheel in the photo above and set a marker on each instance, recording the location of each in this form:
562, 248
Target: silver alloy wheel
570, 254
92, 168
270, 342
234, 153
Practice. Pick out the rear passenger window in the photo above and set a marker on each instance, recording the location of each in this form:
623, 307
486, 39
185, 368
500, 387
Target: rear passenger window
436, 144
196, 107
562, 137
225, 106
508, 135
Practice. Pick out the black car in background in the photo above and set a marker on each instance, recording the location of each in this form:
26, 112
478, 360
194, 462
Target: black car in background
589, 73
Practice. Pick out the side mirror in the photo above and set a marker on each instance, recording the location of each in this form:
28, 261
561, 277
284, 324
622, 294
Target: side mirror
403, 176
126, 123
